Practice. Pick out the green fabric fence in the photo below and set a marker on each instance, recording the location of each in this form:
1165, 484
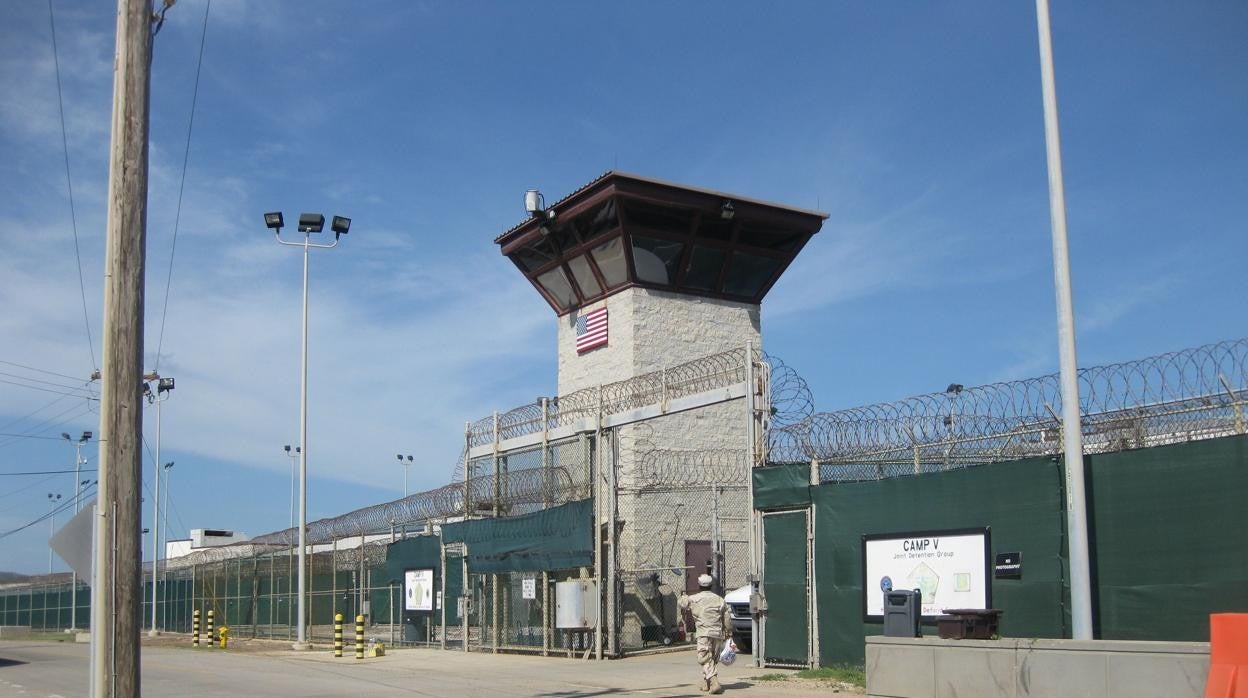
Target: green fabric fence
552, 539
1166, 527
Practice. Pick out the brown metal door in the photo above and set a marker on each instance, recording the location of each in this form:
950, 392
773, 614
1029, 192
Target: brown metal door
697, 559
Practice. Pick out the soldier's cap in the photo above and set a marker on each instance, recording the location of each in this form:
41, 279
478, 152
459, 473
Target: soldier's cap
705, 580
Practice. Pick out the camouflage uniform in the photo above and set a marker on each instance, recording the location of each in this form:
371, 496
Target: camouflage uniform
714, 627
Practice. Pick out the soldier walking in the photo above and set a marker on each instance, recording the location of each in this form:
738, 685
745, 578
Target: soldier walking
714, 627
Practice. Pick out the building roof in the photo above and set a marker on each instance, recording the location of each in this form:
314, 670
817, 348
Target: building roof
622, 230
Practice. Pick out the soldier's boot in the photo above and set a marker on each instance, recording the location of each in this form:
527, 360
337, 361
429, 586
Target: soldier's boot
716, 689
703, 685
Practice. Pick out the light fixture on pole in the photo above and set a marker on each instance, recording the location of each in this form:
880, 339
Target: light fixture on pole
308, 223
164, 387
78, 483
52, 500
405, 465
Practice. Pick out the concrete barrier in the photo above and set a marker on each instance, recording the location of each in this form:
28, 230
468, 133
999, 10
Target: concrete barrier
12, 630
924, 667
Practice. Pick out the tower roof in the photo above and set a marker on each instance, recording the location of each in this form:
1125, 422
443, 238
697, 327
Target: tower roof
623, 230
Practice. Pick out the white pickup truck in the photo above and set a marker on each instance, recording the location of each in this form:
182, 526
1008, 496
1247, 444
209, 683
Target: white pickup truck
738, 601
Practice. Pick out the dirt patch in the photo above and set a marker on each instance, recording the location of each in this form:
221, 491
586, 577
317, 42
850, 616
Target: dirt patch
839, 688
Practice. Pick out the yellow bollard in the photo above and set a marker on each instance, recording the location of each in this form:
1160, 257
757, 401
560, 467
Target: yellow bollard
359, 636
195, 628
224, 632
211, 634
337, 634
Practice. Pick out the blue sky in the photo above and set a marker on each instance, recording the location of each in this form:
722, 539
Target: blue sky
916, 126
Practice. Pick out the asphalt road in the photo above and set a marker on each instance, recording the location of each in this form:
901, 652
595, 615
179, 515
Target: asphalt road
35, 669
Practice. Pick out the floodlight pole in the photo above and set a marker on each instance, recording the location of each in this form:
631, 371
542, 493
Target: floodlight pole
154, 631
52, 500
73, 592
301, 638
1072, 428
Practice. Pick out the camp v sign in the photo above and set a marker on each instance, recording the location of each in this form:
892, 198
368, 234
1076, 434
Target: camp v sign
950, 569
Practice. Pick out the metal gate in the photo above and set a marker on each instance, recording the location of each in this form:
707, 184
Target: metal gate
786, 586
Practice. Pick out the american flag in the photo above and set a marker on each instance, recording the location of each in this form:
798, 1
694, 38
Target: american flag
591, 330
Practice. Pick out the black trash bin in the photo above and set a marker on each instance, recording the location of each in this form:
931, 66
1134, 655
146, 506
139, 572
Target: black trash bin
902, 611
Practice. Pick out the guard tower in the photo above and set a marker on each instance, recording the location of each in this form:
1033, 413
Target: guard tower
644, 275
679, 270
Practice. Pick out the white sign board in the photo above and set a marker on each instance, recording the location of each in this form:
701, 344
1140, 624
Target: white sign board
418, 590
950, 568
528, 589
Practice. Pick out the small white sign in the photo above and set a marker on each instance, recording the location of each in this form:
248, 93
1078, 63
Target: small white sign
528, 589
418, 590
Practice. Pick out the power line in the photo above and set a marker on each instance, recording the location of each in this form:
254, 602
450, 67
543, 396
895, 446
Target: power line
50, 472
66, 505
49, 422
40, 380
10, 423
49, 390
40, 370
27, 487
73, 213
32, 436
186, 155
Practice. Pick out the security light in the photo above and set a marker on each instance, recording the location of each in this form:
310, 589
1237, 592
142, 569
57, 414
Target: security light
165, 385
311, 222
954, 389
274, 221
340, 225
65, 436
727, 211
86, 436
287, 448
399, 456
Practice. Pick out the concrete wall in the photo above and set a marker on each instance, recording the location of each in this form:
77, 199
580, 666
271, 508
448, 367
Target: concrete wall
1034, 668
647, 330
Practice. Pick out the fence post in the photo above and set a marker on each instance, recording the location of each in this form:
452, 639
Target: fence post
755, 523
359, 636
337, 634
466, 595
596, 471
442, 590
1237, 406
545, 613
545, 453
333, 574
467, 469
612, 488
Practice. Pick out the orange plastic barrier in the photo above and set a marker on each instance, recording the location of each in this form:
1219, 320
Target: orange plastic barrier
1228, 656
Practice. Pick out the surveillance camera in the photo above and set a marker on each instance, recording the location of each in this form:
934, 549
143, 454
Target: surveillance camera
533, 202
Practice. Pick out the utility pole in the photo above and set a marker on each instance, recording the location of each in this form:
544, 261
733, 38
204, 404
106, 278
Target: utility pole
117, 584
